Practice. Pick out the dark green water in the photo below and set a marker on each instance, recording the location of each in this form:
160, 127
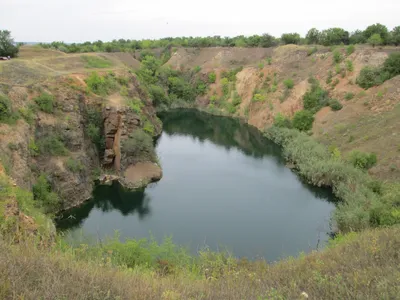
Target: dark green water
224, 185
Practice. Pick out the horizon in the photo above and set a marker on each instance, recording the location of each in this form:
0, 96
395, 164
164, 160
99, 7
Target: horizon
112, 20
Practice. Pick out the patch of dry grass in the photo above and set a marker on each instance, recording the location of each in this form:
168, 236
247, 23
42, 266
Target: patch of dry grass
363, 266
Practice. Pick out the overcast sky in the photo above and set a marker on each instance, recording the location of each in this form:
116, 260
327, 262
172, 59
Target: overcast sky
82, 20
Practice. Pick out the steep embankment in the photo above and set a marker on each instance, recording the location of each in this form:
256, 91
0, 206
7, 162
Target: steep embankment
368, 120
60, 121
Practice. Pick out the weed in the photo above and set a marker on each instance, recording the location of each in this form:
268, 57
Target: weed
348, 96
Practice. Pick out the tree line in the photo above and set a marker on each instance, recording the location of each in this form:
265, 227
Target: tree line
376, 34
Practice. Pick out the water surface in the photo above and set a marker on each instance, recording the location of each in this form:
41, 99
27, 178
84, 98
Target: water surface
224, 186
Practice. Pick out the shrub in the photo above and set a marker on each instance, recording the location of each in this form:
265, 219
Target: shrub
236, 100
260, 65
329, 78
181, 88
212, 77
196, 69
101, 85
96, 62
303, 120
136, 105
74, 166
43, 195
45, 102
5, 107
337, 57
158, 95
52, 144
290, 38
281, 121
258, 97
27, 114
148, 127
391, 66
369, 77
315, 97
362, 160
139, 145
350, 49
225, 86
349, 96
335, 104
33, 148
95, 126
349, 66
288, 83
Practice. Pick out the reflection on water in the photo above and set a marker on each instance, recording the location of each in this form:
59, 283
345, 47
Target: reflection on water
223, 183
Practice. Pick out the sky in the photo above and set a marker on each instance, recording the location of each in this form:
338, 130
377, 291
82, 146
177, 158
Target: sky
90, 20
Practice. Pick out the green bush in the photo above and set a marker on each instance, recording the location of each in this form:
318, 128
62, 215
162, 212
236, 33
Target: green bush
303, 120
44, 196
288, 83
337, 57
5, 108
362, 160
33, 148
315, 97
372, 76
96, 62
148, 127
45, 102
369, 77
136, 105
335, 104
101, 85
391, 66
28, 114
349, 96
139, 145
74, 165
212, 77
350, 49
225, 86
349, 66
258, 97
52, 144
236, 100
181, 89
158, 95
281, 121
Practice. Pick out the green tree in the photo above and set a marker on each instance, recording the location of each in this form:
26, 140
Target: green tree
312, 36
290, 38
379, 29
334, 36
375, 40
357, 37
303, 120
267, 40
7, 47
395, 36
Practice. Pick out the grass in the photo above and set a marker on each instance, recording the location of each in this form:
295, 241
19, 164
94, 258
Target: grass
96, 62
362, 266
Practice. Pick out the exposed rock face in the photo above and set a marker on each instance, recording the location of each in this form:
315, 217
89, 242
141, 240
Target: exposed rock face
119, 123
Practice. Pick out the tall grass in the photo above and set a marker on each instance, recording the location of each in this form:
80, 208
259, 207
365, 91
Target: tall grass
365, 202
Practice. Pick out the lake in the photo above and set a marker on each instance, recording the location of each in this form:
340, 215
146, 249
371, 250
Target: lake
224, 186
